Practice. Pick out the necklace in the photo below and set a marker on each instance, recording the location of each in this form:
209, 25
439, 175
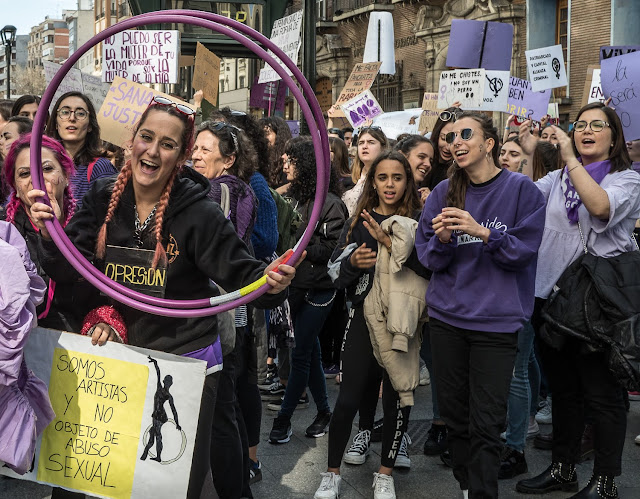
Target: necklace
141, 227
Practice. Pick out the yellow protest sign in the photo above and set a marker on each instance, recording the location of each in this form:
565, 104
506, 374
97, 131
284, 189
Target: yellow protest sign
362, 77
122, 108
430, 112
93, 441
206, 73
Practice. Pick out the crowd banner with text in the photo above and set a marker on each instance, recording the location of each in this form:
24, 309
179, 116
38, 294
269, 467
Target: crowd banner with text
546, 68
126, 417
480, 44
524, 102
430, 112
286, 35
496, 91
142, 56
206, 73
592, 87
462, 85
361, 108
609, 51
121, 110
620, 78
360, 80
76, 81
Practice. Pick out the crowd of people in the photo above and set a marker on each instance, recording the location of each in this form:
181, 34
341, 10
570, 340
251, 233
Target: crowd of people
435, 256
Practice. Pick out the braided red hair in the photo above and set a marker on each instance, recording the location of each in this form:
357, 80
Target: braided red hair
160, 255
116, 194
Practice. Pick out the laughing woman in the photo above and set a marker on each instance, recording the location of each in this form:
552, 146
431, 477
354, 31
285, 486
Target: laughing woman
479, 233
155, 200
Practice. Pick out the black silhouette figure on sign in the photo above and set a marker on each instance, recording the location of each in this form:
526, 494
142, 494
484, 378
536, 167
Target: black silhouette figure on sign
555, 65
159, 415
495, 85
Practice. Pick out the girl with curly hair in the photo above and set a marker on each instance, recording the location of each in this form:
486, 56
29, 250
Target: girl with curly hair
277, 133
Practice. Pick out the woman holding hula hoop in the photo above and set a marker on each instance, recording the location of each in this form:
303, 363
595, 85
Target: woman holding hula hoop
157, 205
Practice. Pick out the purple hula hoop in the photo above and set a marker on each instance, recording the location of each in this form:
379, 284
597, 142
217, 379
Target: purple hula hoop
313, 116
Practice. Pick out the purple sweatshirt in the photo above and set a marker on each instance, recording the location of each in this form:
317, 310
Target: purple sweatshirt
485, 287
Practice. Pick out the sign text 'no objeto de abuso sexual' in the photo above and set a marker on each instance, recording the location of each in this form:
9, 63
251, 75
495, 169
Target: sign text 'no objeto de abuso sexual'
142, 56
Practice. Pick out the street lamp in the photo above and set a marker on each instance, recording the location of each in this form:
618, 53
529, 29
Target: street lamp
8, 35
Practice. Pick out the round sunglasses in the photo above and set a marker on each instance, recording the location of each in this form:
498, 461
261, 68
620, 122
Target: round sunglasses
465, 134
450, 115
163, 101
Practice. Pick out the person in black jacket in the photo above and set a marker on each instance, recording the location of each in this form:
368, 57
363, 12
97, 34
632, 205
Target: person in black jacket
155, 204
311, 293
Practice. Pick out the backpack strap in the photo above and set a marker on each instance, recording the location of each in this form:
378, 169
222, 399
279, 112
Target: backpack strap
90, 169
225, 202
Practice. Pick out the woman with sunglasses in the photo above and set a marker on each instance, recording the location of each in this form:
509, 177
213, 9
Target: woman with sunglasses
592, 205
479, 234
372, 142
157, 205
74, 124
442, 154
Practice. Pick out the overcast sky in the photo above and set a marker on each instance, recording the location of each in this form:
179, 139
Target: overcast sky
24, 14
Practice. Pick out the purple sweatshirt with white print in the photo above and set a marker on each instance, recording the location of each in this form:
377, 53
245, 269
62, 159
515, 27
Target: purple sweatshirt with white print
485, 287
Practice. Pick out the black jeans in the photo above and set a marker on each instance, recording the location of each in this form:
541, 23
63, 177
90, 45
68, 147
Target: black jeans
582, 382
361, 376
473, 370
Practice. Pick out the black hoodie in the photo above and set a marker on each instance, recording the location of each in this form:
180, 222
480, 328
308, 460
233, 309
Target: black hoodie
201, 244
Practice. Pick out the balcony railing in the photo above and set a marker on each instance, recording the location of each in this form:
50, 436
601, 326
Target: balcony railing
344, 6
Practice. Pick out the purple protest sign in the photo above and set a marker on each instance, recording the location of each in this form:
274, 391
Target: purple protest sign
618, 76
361, 108
609, 51
480, 44
526, 103
263, 94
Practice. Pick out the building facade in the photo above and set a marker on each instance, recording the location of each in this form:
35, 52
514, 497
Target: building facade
18, 58
48, 41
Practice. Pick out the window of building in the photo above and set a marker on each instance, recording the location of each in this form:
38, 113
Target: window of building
241, 82
321, 9
562, 37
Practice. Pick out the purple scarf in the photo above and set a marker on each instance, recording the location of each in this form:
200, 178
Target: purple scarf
597, 170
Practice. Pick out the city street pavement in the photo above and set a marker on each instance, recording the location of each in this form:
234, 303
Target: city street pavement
293, 470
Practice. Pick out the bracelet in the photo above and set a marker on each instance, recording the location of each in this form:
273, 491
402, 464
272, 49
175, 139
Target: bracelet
569, 171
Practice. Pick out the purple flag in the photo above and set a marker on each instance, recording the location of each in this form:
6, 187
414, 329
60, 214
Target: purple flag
480, 44
526, 103
263, 94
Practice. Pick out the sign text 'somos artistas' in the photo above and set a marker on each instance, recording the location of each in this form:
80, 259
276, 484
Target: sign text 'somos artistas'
149, 56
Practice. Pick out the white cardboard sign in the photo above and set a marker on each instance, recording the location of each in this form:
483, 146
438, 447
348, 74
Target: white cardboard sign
149, 56
496, 91
546, 68
462, 85
76, 81
286, 35
361, 108
595, 92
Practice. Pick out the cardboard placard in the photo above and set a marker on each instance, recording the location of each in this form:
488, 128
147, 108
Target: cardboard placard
149, 56
546, 68
286, 35
592, 87
554, 113
526, 103
206, 73
620, 79
109, 401
121, 110
480, 44
609, 51
76, 81
132, 268
361, 108
430, 112
463, 85
94, 88
360, 80
496, 91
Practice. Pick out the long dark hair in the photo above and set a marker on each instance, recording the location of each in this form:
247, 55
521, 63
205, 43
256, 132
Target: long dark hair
303, 186
25, 125
546, 158
376, 133
438, 166
283, 135
458, 178
410, 202
92, 147
618, 154
23, 101
340, 156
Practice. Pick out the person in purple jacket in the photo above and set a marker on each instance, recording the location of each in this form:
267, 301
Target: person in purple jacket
479, 234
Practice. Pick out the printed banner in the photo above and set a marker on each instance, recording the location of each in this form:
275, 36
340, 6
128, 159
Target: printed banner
620, 77
361, 108
206, 73
480, 44
430, 112
609, 51
462, 85
76, 81
286, 35
526, 103
546, 68
149, 56
126, 417
496, 91
121, 110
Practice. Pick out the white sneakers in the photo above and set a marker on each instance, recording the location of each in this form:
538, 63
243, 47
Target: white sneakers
383, 487
402, 459
638, 439
425, 378
329, 486
360, 448
543, 416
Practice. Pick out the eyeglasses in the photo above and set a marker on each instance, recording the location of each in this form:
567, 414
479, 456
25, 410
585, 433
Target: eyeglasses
65, 114
450, 115
237, 113
366, 129
595, 125
163, 101
233, 130
465, 134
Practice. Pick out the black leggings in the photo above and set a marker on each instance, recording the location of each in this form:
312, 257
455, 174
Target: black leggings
361, 376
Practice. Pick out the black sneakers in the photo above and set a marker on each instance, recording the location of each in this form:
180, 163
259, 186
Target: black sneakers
281, 431
436, 442
319, 426
512, 463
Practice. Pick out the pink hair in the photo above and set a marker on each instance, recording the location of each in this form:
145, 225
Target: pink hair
9, 173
